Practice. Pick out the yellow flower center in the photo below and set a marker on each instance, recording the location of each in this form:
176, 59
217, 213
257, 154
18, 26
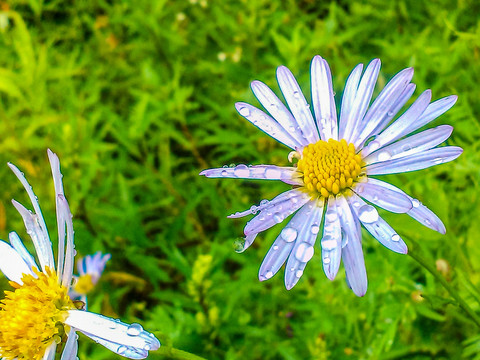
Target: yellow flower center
32, 316
84, 284
329, 167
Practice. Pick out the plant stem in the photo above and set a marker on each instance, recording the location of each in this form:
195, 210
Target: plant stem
414, 254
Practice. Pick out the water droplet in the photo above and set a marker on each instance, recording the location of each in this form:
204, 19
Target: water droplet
296, 94
275, 247
406, 147
374, 145
326, 260
232, 165
331, 215
390, 113
263, 202
224, 173
384, 156
121, 349
253, 209
415, 203
314, 229
147, 347
268, 275
367, 214
244, 111
278, 217
438, 160
241, 170
239, 245
299, 273
134, 329
304, 252
395, 237
288, 234
359, 188
344, 241
328, 243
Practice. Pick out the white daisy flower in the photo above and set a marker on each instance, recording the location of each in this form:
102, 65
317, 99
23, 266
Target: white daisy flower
39, 315
333, 187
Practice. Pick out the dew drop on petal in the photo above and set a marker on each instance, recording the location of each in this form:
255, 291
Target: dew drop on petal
415, 203
241, 170
224, 172
263, 202
253, 209
278, 217
299, 273
395, 237
121, 349
239, 245
331, 216
328, 243
374, 145
368, 214
384, 156
268, 275
314, 229
275, 247
304, 252
326, 260
288, 234
438, 160
134, 329
244, 111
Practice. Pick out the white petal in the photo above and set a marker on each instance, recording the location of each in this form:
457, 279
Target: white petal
125, 351
303, 249
377, 193
384, 104
422, 141
415, 162
12, 264
276, 211
323, 99
433, 111
65, 217
288, 175
50, 352
349, 94
278, 110
376, 226
298, 105
352, 253
332, 240
114, 331
43, 241
265, 123
71, 346
400, 127
17, 244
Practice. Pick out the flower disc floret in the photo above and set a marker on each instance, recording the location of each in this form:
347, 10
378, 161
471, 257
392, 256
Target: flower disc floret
32, 316
330, 167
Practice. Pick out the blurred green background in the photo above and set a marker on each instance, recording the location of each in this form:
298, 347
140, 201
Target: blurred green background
136, 98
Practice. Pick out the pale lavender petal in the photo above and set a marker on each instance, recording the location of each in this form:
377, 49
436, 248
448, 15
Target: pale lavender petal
352, 253
377, 193
65, 217
288, 175
349, 94
12, 264
249, 239
376, 226
276, 211
400, 127
332, 240
50, 352
323, 99
17, 244
383, 104
303, 220
433, 111
422, 141
303, 249
362, 100
71, 346
297, 103
39, 223
266, 123
129, 352
278, 110
417, 161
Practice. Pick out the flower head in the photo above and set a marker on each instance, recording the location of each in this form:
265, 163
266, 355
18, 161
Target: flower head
333, 188
90, 269
39, 314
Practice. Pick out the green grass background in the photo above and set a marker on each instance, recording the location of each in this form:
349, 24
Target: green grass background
136, 97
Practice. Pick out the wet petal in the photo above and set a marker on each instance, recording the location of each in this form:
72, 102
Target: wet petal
303, 249
433, 111
71, 346
377, 193
283, 245
422, 141
112, 331
332, 240
17, 244
376, 226
296, 102
276, 211
349, 94
65, 217
415, 162
323, 99
12, 264
352, 253
288, 175
278, 110
50, 352
265, 123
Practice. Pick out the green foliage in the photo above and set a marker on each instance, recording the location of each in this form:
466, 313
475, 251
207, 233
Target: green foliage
136, 97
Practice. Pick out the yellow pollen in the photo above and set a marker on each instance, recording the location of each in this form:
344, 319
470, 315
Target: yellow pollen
84, 284
32, 316
329, 168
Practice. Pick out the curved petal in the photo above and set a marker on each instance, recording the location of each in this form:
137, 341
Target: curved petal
352, 253
434, 110
414, 144
17, 244
377, 193
265, 123
50, 352
12, 264
97, 326
276, 211
288, 175
303, 249
323, 99
278, 110
65, 216
332, 240
376, 226
415, 162
297, 103
349, 94
305, 218
71, 346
